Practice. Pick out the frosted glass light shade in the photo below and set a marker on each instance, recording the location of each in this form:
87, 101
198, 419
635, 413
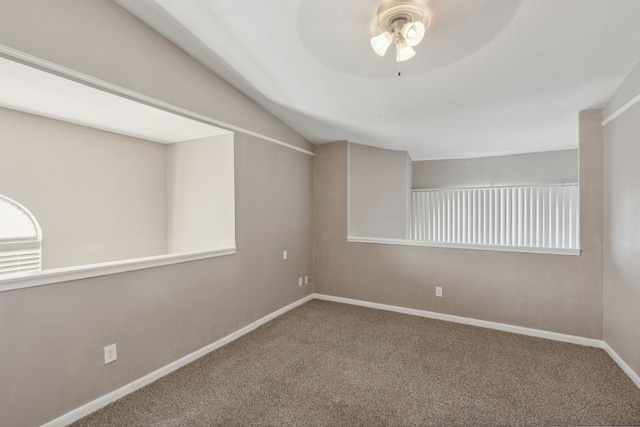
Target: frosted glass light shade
404, 52
413, 33
381, 43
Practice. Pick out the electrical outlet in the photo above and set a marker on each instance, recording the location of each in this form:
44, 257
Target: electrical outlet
299, 281
306, 280
438, 291
284, 255
110, 353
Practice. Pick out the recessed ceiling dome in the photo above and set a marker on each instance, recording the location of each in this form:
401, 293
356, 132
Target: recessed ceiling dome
455, 30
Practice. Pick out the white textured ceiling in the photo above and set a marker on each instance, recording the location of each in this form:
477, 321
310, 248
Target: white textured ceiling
491, 76
33, 91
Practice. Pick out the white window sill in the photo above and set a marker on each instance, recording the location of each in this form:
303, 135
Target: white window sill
501, 248
46, 277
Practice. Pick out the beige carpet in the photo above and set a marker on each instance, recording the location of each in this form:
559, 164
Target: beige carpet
330, 364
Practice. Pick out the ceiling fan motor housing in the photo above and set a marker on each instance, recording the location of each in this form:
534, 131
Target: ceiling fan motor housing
390, 14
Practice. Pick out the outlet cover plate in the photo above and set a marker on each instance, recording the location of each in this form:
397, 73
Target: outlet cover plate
110, 353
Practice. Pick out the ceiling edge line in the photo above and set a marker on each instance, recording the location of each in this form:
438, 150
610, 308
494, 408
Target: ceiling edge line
498, 154
621, 110
34, 61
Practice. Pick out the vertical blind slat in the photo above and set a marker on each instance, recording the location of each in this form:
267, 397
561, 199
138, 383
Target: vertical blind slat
532, 216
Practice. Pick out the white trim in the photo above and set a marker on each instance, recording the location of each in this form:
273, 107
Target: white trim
108, 398
56, 275
348, 188
101, 402
621, 110
51, 67
499, 248
626, 368
409, 184
539, 333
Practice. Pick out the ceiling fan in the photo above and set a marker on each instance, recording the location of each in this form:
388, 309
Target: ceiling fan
402, 22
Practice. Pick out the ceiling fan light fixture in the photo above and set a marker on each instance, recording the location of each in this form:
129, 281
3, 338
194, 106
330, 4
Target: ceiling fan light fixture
403, 22
413, 33
404, 51
381, 43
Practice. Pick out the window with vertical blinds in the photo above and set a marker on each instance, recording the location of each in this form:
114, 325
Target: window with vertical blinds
542, 216
20, 239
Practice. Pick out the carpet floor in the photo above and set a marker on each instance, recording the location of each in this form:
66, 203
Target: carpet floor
330, 364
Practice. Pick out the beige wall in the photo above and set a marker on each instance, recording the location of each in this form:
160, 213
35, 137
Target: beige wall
193, 304
98, 196
550, 292
552, 167
52, 337
622, 227
380, 184
200, 194
101, 39
187, 305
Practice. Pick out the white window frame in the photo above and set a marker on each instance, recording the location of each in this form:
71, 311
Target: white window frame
20, 254
527, 216
487, 245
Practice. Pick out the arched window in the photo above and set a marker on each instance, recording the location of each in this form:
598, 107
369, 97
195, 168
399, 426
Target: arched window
20, 239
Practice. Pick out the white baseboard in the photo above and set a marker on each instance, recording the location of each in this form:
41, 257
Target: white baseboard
94, 405
626, 368
468, 321
589, 342
100, 402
